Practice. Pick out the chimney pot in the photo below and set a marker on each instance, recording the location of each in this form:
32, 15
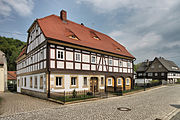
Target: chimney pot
63, 15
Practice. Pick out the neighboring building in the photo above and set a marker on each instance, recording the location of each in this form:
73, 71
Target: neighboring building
159, 69
62, 56
12, 82
3, 72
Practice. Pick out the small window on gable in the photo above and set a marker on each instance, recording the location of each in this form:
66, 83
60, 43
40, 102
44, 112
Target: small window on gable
96, 37
118, 49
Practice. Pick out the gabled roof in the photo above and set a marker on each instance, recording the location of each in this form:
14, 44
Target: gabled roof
53, 27
11, 75
169, 65
144, 66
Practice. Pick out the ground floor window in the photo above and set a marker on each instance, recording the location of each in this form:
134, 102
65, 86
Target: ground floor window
58, 81
127, 81
109, 81
41, 82
73, 80
35, 82
85, 81
18, 82
102, 81
30, 82
24, 82
119, 81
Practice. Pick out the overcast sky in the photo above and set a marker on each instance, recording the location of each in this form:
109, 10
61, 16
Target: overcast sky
147, 28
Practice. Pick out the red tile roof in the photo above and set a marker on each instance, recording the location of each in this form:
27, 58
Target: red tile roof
53, 27
11, 75
22, 52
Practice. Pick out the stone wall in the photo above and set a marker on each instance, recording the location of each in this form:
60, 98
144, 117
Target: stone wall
37, 94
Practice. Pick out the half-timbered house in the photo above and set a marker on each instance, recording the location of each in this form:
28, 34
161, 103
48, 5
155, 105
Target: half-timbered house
61, 55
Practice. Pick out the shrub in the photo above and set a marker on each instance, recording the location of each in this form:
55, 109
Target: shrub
89, 93
154, 82
74, 93
178, 80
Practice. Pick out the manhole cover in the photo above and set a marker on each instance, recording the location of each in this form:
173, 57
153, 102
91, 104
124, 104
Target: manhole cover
124, 109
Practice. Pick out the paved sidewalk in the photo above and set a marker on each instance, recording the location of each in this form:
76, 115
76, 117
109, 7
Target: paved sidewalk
13, 103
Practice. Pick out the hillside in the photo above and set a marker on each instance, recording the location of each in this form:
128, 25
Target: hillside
11, 47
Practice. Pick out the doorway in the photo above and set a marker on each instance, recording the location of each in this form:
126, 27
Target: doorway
94, 84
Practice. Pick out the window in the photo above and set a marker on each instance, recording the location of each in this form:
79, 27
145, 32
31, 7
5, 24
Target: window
128, 64
119, 81
93, 59
24, 82
110, 82
18, 82
73, 80
149, 74
60, 54
58, 81
42, 55
160, 66
102, 80
110, 61
35, 82
156, 74
85, 81
152, 66
78, 57
30, 82
120, 63
127, 81
139, 74
41, 82
162, 74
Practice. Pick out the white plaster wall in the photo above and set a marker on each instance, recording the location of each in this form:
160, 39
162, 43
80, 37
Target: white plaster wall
60, 64
21, 78
124, 64
104, 68
93, 67
115, 69
110, 69
77, 66
52, 64
52, 53
124, 70
120, 69
69, 65
86, 66
115, 62
85, 58
69, 55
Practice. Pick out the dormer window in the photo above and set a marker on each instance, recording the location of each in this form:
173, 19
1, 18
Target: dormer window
96, 37
118, 49
73, 37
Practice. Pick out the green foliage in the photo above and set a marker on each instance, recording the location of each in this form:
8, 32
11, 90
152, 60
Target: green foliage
136, 66
178, 80
154, 82
12, 48
74, 93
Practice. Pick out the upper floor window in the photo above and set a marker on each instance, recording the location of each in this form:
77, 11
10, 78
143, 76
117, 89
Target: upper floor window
110, 61
60, 54
156, 74
93, 59
120, 63
149, 74
78, 57
140, 74
162, 74
160, 66
128, 64
42, 55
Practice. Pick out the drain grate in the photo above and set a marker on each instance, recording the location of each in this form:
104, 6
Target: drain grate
124, 109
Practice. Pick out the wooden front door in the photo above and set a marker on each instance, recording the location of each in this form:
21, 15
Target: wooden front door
94, 84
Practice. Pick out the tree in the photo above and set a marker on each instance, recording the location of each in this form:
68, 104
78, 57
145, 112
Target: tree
12, 48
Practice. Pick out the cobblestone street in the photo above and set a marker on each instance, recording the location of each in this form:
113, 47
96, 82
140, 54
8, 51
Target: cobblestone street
16, 103
148, 105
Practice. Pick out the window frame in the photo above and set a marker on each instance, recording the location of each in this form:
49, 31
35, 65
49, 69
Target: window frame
58, 81
84, 81
41, 86
73, 81
108, 82
118, 81
128, 79
110, 62
93, 56
61, 54
102, 81
77, 57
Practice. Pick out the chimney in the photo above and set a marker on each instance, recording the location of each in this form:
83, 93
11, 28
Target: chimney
63, 15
